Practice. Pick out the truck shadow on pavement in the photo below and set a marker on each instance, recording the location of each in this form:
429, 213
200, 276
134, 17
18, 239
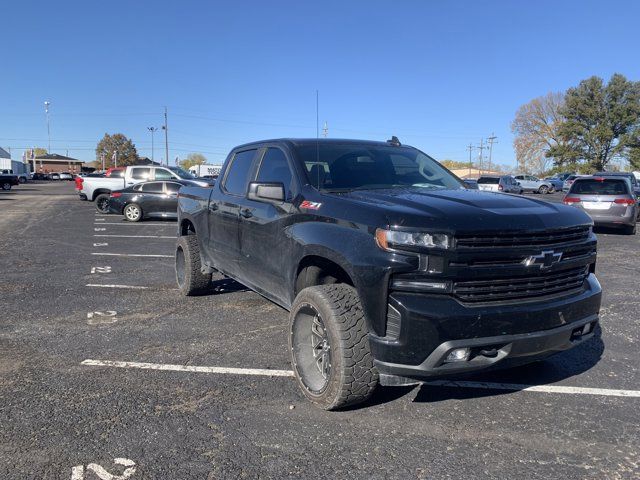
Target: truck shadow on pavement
554, 369
226, 285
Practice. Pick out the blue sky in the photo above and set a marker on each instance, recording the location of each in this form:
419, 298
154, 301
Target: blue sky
438, 74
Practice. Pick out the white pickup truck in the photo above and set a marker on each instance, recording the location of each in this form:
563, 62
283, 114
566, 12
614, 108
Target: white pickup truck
98, 189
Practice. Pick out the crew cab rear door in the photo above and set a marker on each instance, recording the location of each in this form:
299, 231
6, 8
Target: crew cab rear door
263, 241
225, 201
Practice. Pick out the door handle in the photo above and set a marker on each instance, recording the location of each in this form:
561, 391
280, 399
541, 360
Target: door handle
246, 213
213, 207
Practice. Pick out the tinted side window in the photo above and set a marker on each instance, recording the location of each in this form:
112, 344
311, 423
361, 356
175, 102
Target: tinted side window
237, 177
173, 187
140, 173
274, 168
162, 174
153, 187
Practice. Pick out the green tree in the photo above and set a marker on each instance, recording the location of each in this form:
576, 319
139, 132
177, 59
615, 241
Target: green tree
192, 160
127, 153
600, 122
37, 151
454, 164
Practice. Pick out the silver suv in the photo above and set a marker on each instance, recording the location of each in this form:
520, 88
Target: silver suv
495, 183
533, 184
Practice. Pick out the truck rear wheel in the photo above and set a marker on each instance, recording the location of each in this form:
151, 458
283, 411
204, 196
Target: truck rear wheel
191, 281
329, 347
102, 203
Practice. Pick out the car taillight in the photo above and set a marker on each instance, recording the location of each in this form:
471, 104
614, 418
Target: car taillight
624, 201
500, 187
571, 200
115, 194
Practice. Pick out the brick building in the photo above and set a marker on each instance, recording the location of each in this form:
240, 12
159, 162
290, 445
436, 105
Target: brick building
52, 162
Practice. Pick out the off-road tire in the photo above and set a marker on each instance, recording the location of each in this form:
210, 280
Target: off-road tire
352, 377
191, 281
130, 210
102, 203
6, 186
543, 190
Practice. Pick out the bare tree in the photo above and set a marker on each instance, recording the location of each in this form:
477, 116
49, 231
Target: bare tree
536, 129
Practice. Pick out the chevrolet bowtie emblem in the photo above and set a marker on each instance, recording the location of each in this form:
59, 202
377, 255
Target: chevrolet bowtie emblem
546, 259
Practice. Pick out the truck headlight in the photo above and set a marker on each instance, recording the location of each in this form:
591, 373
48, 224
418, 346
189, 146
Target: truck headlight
390, 239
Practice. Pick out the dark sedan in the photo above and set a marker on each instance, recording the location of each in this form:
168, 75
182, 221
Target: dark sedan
148, 199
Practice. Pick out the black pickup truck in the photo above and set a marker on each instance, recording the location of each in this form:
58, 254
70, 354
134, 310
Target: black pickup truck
392, 271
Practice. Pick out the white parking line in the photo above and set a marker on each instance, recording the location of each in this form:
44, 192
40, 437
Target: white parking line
134, 224
189, 368
132, 287
133, 255
135, 236
436, 383
606, 392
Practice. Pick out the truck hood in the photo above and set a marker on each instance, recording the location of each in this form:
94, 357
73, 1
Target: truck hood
467, 210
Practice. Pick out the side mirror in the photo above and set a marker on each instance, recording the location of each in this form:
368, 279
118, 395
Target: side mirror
272, 192
519, 184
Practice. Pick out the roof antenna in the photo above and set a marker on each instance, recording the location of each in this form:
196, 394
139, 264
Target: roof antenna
318, 138
394, 141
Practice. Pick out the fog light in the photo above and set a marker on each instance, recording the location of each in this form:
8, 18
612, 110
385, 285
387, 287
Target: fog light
458, 355
587, 328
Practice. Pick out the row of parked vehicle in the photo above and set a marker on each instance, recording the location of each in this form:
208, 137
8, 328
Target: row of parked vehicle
138, 192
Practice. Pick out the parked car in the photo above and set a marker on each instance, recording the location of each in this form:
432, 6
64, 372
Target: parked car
54, 176
98, 189
529, 183
556, 182
609, 201
148, 199
40, 176
470, 183
392, 271
569, 181
8, 181
65, 176
495, 183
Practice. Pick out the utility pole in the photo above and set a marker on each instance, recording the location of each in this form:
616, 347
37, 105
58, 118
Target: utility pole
46, 111
166, 137
470, 148
152, 130
491, 140
102, 158
481, 147
325, 130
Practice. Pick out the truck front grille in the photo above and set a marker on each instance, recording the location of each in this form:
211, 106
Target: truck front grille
529, 287
535, 239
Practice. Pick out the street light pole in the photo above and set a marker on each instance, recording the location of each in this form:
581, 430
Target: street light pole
152, 130
46, 111
166, 137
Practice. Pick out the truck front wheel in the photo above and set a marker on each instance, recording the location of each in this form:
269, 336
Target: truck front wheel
191, 281
330, 348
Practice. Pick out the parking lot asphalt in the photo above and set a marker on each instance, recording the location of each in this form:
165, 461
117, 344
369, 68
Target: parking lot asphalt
68, 310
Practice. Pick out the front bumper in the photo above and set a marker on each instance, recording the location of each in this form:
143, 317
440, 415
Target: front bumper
430, 326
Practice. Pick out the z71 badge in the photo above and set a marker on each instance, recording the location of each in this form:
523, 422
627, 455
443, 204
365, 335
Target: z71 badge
310, 205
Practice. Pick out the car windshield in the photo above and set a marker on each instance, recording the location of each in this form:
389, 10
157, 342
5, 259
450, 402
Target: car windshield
346, 167
489, 180
182, 173
599, 186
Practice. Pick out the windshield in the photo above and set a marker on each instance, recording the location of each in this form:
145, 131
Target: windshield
344, 167
182, 173
608, 186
